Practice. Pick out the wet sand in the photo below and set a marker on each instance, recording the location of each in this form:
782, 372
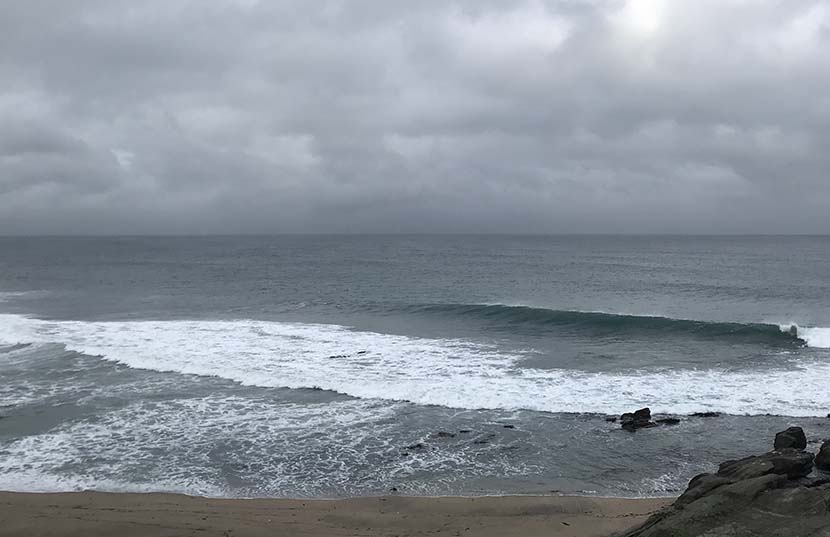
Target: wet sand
93, 514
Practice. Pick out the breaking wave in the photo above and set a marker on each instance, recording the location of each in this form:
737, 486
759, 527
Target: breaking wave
453, 373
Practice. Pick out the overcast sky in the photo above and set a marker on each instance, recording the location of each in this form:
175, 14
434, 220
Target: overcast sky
233, 116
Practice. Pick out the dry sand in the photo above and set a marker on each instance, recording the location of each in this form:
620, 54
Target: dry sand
92, 514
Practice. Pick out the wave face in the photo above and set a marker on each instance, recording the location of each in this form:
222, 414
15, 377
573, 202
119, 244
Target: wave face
609, 324
447, 372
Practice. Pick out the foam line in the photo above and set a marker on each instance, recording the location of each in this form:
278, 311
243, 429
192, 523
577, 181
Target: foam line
448, 372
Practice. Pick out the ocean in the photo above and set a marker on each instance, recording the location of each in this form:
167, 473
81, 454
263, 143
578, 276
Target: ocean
326, 366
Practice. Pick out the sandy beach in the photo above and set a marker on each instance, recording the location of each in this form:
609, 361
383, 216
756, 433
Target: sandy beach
91, 514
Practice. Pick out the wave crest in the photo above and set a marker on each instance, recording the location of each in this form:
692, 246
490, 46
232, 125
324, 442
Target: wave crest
603, 324
447, 372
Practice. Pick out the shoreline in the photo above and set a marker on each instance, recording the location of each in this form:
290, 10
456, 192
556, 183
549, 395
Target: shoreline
163, 514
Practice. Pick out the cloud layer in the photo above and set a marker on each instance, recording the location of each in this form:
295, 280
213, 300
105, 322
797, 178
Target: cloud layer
233, 116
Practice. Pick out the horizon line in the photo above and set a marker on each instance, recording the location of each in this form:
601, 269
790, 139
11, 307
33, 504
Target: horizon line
399, 234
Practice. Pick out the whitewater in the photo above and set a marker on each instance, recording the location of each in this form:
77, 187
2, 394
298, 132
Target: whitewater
453, 373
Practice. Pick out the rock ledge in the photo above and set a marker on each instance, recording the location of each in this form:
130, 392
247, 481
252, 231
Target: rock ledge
776, 493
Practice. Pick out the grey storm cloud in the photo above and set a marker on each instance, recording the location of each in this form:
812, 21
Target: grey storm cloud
229, 116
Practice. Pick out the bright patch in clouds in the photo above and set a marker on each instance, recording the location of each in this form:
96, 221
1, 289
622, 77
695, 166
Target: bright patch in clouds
642, 17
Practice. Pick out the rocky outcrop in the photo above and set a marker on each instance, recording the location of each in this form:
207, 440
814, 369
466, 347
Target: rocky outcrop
769, 494
631, 421
789, 462
641, 419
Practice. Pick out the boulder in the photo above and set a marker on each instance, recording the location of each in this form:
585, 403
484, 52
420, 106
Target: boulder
792, 438
823, 457
640, 419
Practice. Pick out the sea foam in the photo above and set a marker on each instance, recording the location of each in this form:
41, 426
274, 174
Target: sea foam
453, 373
816, 337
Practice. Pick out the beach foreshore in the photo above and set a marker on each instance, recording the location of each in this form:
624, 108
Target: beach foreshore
92, 514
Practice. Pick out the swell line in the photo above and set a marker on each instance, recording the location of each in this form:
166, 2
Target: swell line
609, 324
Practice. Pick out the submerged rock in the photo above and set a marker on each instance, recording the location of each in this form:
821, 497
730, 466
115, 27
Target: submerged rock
706, 414
443, 434
668, 421
792, 438
755, 496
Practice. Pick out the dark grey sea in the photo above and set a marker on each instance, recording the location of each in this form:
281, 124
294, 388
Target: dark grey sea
324, 366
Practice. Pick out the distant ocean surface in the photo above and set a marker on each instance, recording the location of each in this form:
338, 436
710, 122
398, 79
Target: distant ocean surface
324, 366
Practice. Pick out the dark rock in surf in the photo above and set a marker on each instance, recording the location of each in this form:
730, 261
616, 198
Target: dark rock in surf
443, 434
611, 419
419, 446
760, 495
793, 331
792, 438
509, 426
668, 421
464, 431
706, 414
641, 419
823, 457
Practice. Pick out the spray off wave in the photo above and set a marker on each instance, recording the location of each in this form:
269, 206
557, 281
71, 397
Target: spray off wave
816, 337
447, 372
